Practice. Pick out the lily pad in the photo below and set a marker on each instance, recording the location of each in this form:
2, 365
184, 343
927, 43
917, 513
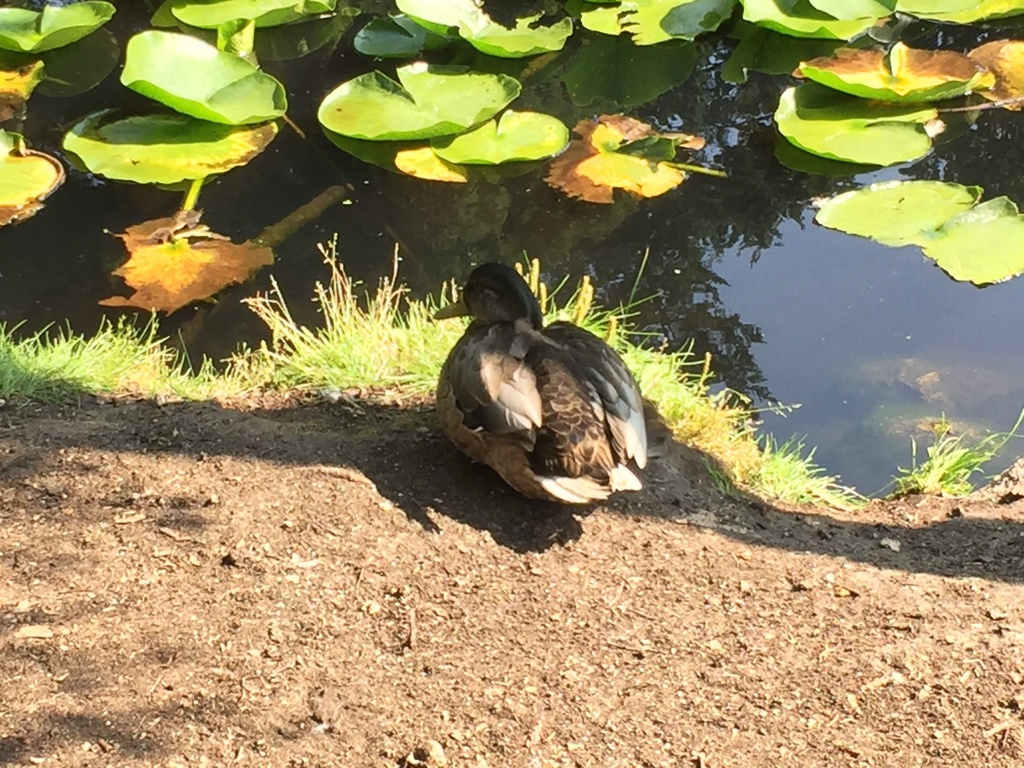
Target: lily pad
427, 102
406, 157
842, 127
618, 152
961, 11
211, 14
801, 19
396, 37
855, 9
16, 85
523, 40
516, 137
293, 41
81, 66
897, 212
26, 178
616, 71
903, 75
977, 242
169, 267
763, 50
441, 16
53, 27
654, 21
163, 149
196, 79
1005, 59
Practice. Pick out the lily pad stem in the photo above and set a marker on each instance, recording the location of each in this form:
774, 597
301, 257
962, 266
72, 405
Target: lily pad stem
192, 196
699, 169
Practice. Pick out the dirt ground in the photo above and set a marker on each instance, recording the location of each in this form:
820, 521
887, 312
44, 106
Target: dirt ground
285, 583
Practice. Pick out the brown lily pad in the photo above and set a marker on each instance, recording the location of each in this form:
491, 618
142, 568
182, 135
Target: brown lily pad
1005, 59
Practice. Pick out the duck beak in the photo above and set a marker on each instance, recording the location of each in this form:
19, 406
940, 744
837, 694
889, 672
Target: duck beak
458, 309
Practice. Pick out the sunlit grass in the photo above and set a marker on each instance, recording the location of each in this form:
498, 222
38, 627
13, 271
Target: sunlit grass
951, 463
788, 471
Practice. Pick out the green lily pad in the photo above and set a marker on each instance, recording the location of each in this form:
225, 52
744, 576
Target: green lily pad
196, 79
427, 102
977, 242
855, 9
654, 21
516, 137
797, 159
841, 127
897, 212
26, 178
983, 245
801, 19
903, 75
520, 41
211, 14
396, 37
961, 11
763, 50
617, 72
163, 149
441, 16
293, 41
53, 27
81, 66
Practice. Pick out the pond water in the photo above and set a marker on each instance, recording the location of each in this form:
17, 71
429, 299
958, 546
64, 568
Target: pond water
872, 342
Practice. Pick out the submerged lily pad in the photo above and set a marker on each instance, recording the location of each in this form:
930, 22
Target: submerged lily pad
1005, 59
163, 149
170, 266
616, 71
977, 242
842, 127
26, 178
398, 36
194, 78
903, 75
211, 14
81, 66
427, 102
53, 27
801, 19
516, 137
763, 50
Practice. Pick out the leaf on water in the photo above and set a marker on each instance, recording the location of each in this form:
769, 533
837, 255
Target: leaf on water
427, 102
981, 243
423, 163
1005, 59
763, 50
961, 11
903, 75
210, 14
801, 19
163, 149
16, 85
26, 178
836, 125
397, 37
654, 21
618, 152
855, 9
53, 27
174, 261
516, 137
194, 78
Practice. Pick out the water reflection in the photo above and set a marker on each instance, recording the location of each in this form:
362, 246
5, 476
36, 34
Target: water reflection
788, 311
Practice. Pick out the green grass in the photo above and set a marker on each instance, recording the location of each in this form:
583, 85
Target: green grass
952, 462
380, 340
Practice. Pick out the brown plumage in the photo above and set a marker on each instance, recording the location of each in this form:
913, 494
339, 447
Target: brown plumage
553, 410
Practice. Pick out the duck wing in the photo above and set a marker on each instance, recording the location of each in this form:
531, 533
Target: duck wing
494, 388
612, 391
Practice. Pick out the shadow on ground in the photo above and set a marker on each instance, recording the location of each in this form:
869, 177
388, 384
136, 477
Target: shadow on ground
399, 451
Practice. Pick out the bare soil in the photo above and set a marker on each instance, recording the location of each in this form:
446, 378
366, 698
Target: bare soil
284, 583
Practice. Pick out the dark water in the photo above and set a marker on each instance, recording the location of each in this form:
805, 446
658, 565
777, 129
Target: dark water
870, 341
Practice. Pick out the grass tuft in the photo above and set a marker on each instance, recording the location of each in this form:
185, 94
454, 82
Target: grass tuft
787, 473
951, 462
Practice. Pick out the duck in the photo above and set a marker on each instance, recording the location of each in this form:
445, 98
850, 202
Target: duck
553, 409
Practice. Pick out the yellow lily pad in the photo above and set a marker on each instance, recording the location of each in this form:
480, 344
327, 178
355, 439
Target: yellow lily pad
175, 261
618, 152
422, 163
903, 75
1005, 59
16, 85
26, 178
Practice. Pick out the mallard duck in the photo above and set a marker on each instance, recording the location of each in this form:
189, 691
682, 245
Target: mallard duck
552, 409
